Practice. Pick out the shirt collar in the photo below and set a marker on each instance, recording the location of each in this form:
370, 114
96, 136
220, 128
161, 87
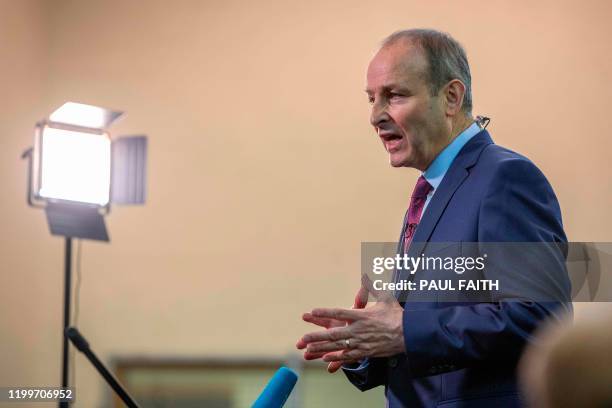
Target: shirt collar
438, 168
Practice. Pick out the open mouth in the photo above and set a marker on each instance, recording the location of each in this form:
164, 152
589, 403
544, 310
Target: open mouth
392, 141
390, 137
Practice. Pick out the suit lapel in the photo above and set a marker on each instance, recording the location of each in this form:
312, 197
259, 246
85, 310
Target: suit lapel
452, 180
456, 174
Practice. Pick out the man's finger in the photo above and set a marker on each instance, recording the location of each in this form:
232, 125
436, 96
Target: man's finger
361, 298
326, 346
335, 365
347, 315
379, 295
344, 356
368, 285
319, 321
313, 356
337, 333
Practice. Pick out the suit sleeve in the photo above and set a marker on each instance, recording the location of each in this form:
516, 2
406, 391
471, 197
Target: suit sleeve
519, 205
370, 373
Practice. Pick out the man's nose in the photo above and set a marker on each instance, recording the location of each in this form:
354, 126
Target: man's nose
379, 114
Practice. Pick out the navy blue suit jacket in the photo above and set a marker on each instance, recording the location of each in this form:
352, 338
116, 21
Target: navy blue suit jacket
465, 354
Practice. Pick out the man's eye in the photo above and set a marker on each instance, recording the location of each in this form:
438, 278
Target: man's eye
394, 95
370, 99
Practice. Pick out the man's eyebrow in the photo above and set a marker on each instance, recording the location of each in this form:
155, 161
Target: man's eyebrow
387, 88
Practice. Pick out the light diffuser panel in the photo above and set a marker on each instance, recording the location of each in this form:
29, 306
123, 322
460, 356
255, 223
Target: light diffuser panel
75, 166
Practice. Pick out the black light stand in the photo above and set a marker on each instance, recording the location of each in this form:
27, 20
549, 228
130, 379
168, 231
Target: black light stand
84, 220
67, 297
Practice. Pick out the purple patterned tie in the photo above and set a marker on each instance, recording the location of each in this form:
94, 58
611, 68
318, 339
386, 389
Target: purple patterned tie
417, 202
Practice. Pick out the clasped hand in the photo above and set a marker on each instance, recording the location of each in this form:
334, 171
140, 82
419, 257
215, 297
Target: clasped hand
375, 331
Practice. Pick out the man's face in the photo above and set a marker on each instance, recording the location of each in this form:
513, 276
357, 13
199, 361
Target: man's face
409, 121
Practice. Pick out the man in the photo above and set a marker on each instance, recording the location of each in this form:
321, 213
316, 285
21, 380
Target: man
434, 353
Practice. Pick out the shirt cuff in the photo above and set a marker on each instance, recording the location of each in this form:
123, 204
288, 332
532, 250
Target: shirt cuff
356, 366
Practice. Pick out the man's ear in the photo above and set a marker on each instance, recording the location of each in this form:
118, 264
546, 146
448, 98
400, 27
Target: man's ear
454, 92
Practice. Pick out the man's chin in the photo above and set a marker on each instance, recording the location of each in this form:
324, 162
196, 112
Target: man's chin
397, 161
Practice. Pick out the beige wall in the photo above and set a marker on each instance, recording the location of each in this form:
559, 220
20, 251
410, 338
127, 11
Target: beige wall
264, 173
24, 280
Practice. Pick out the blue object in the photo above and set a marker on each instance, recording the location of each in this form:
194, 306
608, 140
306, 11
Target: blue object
278, 389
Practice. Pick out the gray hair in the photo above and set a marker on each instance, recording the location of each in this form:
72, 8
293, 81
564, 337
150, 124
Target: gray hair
446, 58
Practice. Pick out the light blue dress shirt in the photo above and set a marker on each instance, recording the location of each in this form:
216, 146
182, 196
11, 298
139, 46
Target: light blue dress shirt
438, 168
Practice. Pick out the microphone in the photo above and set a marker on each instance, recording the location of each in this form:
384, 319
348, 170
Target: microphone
278, 389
